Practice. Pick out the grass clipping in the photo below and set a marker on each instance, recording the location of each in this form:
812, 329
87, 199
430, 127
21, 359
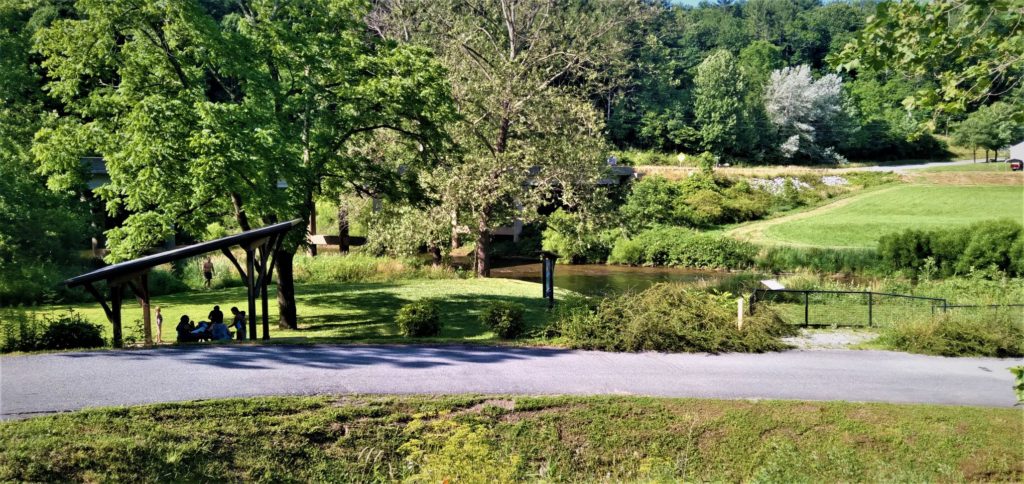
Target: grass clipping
672, 317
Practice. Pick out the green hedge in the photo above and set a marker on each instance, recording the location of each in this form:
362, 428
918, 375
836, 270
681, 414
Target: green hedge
997, 244
20, 331
677, 246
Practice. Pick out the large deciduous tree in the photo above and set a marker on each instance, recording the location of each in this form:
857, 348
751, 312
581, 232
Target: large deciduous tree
973, 49
719, 106
806, 112
522, 73
244, 109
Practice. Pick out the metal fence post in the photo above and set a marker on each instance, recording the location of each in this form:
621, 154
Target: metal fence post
871, 304
807, 319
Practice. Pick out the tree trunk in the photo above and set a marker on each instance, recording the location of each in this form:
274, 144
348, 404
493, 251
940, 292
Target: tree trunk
435, 255
311, 206
286, 290
483, 247
456, 243
343, 241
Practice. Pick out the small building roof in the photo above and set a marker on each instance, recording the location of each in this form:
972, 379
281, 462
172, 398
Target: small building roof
135, 266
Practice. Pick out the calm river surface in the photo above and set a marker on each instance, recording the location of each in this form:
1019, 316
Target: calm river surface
599, 279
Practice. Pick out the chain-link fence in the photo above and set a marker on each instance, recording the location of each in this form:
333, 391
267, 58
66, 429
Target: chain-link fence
856, 308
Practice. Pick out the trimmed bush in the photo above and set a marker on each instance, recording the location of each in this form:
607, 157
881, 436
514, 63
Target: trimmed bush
420, 318
998, 333
671, 317
505, 319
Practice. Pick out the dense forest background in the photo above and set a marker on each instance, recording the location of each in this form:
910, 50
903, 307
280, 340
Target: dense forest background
455, 113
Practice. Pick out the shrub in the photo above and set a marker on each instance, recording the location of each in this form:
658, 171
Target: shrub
21, 331
505, 319
959, 250
997, 333
420, 318
677, 246
671, 317
69, 331
783, 258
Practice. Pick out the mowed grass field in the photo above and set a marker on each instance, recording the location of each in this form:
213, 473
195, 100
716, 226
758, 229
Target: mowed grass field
346, 312
859, 222
474, 438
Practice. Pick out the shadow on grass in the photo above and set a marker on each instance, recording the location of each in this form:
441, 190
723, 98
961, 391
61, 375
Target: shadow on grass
255, 357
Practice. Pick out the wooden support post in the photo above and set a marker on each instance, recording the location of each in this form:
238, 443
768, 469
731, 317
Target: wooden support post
264, 279
115, 314
142, 295
251, 290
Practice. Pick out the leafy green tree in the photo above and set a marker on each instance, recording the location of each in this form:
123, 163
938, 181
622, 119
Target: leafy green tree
204, 109
522, 73
39, 229
991, 128
973, 49
718, 105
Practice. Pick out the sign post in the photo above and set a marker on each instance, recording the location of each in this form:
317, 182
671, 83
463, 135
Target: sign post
548, 276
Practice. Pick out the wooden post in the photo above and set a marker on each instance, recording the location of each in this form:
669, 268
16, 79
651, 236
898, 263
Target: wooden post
115, 314
143, 298
250, 283
739, 313
265, 313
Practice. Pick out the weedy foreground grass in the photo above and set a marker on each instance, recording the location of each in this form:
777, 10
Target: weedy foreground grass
500, 439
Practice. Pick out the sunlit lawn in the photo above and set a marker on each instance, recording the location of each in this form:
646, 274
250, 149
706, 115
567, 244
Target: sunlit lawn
863, 221
347, 312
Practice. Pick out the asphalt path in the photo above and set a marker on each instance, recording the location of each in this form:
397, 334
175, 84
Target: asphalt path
46, 383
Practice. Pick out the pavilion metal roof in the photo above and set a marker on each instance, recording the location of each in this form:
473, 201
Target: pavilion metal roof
135, 266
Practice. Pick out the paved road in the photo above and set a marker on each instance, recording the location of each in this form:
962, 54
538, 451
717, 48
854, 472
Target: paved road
917, 166
70, 381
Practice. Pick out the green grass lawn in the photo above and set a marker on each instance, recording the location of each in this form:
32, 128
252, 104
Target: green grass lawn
349, 312
863, 220
503, 439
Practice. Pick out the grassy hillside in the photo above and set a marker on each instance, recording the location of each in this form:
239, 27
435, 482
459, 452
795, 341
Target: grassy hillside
348, 312
502, 439
861, 220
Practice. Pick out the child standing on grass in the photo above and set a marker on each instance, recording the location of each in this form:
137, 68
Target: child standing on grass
159, 326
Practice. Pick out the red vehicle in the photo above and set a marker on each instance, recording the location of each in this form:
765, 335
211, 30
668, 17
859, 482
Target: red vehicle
1016, 165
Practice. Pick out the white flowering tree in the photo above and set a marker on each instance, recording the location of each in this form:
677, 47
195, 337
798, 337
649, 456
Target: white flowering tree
806, 112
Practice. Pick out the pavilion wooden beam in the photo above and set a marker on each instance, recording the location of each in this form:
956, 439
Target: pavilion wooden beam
115, 313
100, 299
140, 286
231, 257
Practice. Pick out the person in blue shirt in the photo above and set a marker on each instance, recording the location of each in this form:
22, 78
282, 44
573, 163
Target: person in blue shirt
219, 331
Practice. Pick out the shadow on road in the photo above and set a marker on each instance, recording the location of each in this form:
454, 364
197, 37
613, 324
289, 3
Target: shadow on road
326, 356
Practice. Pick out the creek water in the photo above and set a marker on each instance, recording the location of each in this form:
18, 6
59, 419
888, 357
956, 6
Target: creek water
600, 279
